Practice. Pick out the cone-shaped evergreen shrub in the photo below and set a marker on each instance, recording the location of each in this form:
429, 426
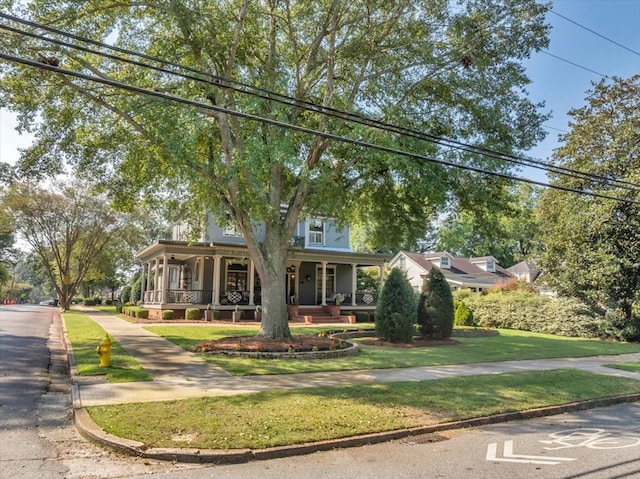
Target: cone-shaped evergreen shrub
396, 309
435, 309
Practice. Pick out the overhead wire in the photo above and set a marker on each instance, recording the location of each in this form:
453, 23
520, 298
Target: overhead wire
223, 82
314, 107
310, 131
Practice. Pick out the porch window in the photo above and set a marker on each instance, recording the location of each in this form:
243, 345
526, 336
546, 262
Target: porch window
237, 277
316, 231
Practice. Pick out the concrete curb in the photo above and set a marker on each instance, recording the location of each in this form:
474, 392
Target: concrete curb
92, 432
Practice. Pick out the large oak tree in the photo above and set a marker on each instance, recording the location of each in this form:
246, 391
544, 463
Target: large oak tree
593, 244
436, 66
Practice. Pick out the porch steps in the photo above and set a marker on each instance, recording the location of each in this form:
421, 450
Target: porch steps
316, 315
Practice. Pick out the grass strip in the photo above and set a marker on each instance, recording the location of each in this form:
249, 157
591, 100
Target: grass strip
633, 367
85, 335
286, 417
509, 345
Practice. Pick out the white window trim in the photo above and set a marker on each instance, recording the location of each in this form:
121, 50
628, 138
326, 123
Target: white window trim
321, 233
445, 262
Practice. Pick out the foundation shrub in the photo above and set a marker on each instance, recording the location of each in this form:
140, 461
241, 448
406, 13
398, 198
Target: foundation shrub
362, 317
192, 313
167, 314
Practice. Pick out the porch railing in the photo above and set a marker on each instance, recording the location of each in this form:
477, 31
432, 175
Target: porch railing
233, 297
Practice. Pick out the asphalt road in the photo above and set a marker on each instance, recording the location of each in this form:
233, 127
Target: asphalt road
38, 439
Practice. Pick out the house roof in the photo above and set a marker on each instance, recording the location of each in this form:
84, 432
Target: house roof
525, 267
463, 272
184, 249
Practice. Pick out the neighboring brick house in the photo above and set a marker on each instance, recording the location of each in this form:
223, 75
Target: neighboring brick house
216, 270
476, 274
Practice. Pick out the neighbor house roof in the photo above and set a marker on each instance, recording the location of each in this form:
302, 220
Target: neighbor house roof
463, 271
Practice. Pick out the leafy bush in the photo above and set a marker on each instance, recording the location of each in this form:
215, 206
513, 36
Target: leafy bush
362, 317
616, 326
463, 315
119, 307
192, 313
167, 314
217, 314
98, 301
125, 295
396, 309
136, 289
89, 302
142, 313
530, 312
435, 308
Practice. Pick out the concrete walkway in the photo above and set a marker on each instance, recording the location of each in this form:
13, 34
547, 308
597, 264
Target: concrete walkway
179, 374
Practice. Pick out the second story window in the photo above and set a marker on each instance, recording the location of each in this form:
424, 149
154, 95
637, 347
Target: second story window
444, 262
316, 231
232, 230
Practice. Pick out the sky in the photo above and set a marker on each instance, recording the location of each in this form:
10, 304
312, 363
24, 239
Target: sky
561, 85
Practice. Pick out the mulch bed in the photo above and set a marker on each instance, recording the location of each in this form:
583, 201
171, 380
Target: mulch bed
304, 343
298, 343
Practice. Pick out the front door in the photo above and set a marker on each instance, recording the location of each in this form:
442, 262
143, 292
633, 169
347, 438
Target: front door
331, 283
174, 277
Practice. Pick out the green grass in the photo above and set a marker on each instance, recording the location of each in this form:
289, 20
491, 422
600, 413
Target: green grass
85, 336
279, 418
633, 367
508, 345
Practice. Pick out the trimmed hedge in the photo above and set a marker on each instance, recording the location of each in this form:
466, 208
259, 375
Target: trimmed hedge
362, 317
530, 312
89, 302
167, 314
135, 311
192, 313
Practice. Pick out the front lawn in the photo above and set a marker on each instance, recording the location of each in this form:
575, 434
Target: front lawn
280, 417
85, 335
508, 345
633, 367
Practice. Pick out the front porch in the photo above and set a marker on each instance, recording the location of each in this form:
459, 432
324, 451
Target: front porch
178, 275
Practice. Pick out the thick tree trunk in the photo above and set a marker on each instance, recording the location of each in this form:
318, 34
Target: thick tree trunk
275, 318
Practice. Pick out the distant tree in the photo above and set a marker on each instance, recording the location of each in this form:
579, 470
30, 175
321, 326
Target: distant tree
509, 233
592, 245
67, 230
396, 309
435, 308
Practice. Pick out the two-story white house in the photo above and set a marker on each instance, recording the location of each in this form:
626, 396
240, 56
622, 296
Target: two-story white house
216, 271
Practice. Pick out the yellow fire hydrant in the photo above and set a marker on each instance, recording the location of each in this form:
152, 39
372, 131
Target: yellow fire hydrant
104, 350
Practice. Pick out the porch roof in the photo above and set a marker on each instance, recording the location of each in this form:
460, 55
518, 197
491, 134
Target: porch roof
184, 249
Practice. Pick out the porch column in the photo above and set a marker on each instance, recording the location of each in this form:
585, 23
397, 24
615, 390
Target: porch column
165, 278
148, 286
324, 283
252, 276
216, 280
157, 284
354, 283
143, 286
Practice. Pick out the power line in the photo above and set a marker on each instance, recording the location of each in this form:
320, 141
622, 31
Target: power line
574, 64
226, 83
331, 136
596, 33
